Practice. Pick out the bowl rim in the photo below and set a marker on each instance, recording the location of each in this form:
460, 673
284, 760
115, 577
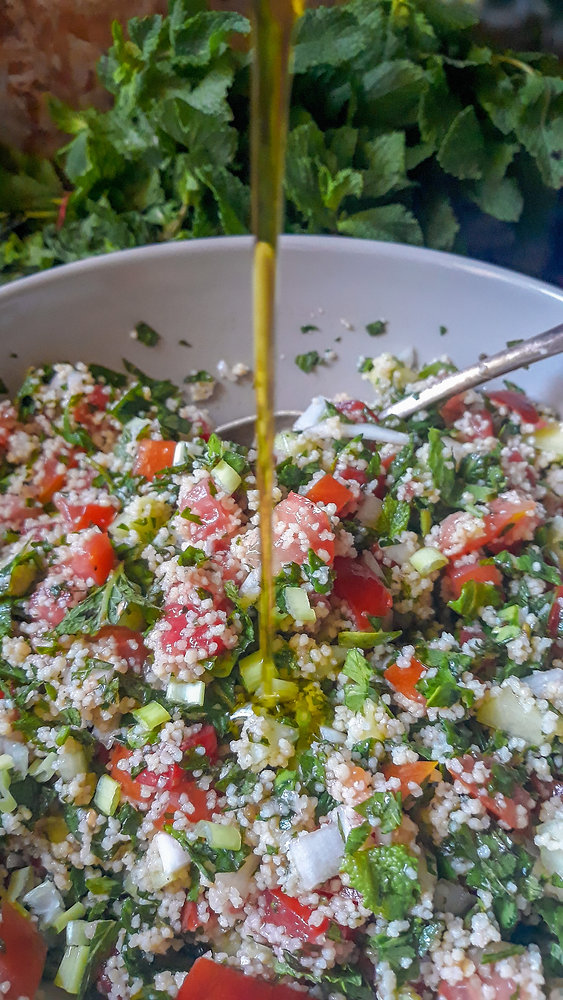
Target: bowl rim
288, 243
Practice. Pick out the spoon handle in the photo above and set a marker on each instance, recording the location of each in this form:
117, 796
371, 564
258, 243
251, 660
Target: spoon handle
526, 352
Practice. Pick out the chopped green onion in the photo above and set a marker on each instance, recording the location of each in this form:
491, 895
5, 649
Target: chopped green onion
280, 691
426, 561
19, 881
6, 762
72, 968
70, 916
226, 478
365, 640
218, 836
7, 800
71, 760
76, 932
186, 693
152, 715
107, 795
297, 604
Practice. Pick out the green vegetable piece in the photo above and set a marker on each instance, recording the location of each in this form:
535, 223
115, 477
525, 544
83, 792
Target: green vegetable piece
387, 879
147, 335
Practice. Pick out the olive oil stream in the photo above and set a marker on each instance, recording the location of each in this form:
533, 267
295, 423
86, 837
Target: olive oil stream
274, 21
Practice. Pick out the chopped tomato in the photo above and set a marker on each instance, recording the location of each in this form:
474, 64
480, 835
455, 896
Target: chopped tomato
130, 787
206, 738
135, 789
481, 986
453, 540
478, 422
417, 772
152, 457
127, 643
183, 630
457, 576
189, 918
51, 473
299, 525
91, 403
172, 777
404, 679
8, 421
94, 559
287, 912
555, 620
77, 516
362, 590
14, 509
221, 982
356, 475
199, 809
357, 412
517, 402
329, 490
23, 953
504, 807
513, 518
209, 520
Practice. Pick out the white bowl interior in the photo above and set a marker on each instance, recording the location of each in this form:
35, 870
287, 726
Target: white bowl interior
201, 291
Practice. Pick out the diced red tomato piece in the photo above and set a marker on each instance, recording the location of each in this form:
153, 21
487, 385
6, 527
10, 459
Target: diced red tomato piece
152, 457
134, 789
355, 475
206, 738
555, 620
287, 912
478, 422
329, 490
51, 473
453, 540
22, 958
404, 679
90, 404
94, 559
130, 787
299, 525
8, 421
214, 523
357, 412
172, 777
221, 982
505, 808
457, 576
517, 402
189, 919
183, 631
14, 509
513, 518
77, 516
418, 772
479, 987
198, 801
127, 643
362, 590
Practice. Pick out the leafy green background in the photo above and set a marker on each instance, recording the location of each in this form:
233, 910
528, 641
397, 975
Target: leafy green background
405, 125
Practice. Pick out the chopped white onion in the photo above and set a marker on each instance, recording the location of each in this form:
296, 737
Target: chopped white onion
544, 683
173, 857
398, 554
316, 856
315, 411
372, 564
19, 754
45, 901
347, 819
374, 432
250, 588
369, 511
332, 735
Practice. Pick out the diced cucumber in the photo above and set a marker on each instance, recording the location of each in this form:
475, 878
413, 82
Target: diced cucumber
144, 515
71, 760
219, 836
74, 913
107, 795
428, 560
76, 932
152, 715
251, 670
297, 604
281, 691
225, 477
503, 709
72, 968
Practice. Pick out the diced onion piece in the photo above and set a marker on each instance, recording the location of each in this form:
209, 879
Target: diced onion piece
186, 693
315, 411
374, 432
19, 754
398, 553
7, 800
250, 587
369, 511
173, 857
550, 438
297, 604
503, 709
284, 441
77, 932
72, 968
72, 914
180, 453
45, 901
43, 768
551, 833
316, 856
544, 682
332, 735
107, 795
428, 560
219, 836
152, 715
251, 670
225, 477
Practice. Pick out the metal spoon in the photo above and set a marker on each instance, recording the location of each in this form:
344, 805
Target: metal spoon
518, 356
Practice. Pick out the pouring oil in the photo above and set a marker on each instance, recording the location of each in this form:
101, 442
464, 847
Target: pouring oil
274, 22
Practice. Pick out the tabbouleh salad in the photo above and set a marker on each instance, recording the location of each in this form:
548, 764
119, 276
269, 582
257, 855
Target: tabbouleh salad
389, 822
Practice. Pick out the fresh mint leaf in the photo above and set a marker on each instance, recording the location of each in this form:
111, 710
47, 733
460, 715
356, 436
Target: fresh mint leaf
358, 670
147, 335
308, 362
377, 328
475, 596
386, 878
383, 810
106, 605
393, 519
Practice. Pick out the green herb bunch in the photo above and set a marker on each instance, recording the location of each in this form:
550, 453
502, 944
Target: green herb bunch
401, 119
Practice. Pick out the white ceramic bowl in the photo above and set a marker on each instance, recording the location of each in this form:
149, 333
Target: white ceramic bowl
200, 291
